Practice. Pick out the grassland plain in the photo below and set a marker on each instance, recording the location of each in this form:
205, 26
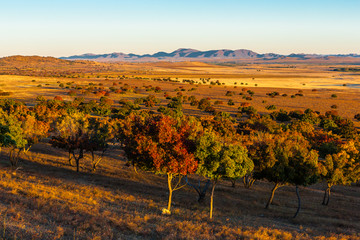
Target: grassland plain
46, 199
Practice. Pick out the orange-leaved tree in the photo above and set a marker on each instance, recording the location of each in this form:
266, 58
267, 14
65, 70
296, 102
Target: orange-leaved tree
160, 144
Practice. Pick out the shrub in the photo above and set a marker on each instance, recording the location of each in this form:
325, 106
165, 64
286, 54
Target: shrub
248, 110
204, 103
245, 104
58, 98
333, 95
270, 107
231, 102
229, 93
72, 93
281, 116
332, 113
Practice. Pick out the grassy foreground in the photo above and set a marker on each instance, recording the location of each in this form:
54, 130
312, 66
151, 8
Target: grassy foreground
47, 199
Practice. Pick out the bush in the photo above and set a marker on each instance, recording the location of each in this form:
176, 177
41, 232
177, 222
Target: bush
334, 106
231, 102
270, 107
296, 114
245, 104
273, 94
248, 110
331, 113
204, 103
333, 95
58, 98
281, 116
72, 93
5, 93
229, 93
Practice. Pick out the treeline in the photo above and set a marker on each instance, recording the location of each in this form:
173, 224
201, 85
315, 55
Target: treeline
347, 69
296, 148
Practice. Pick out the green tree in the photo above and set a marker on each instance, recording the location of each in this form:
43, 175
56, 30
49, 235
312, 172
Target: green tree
218, 160
100, 132
290, 161
342, 168
13, 136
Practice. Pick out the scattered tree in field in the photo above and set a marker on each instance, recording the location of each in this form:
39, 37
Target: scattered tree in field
160, 144
71, 133
218, 160
289, 161
100, 132
12, 135
342, 168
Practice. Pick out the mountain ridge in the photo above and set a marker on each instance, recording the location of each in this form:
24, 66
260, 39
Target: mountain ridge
188, 54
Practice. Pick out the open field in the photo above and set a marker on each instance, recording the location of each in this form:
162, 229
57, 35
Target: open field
46, 199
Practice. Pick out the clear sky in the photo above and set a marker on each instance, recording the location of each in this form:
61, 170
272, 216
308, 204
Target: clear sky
67, 27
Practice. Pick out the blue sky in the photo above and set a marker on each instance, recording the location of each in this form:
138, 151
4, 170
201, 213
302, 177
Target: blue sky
62, 28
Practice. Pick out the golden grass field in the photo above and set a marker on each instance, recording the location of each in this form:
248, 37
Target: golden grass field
46, 199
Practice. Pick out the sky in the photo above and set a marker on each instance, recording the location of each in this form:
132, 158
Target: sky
69, 27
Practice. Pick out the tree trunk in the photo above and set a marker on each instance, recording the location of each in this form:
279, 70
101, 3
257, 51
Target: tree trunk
170, 176
325, 195
299, 201
201, 198
70, 158
248, 181
233, 183
14, 157
77, 164
277, 185
198, 189
326, 198
77, 159
212, 198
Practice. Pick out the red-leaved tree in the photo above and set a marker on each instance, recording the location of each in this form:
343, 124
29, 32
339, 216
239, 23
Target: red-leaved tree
160, 144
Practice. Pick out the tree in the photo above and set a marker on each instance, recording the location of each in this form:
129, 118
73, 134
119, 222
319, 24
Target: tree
218, 160
12, 135
160, 144
34, 131
342, 168
290, 161
71, 133
99, 133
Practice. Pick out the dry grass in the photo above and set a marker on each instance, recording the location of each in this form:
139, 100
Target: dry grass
46, 199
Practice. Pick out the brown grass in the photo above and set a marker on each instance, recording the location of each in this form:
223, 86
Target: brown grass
47, 199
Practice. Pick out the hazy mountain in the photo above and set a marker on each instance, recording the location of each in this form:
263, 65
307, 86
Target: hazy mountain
185, 54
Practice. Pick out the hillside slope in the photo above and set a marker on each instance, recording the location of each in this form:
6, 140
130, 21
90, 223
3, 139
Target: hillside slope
46, 199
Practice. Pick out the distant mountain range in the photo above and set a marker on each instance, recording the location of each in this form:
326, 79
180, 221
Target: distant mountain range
187, 54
